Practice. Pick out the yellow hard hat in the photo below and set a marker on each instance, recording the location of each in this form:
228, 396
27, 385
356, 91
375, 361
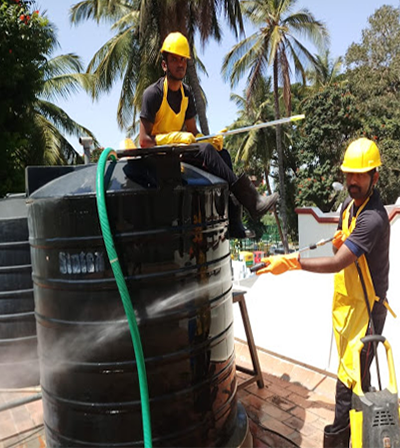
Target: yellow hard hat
361, 156
176, 43
127, 143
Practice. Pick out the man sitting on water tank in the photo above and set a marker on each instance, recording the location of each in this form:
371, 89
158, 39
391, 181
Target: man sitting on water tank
168, 106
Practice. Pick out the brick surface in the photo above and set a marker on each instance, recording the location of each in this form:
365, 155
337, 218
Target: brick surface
7, 428
279, 389
304, 414
264, 392
282, 403
323, 411
296, 403
290, 411
275, 425
299, 389
320, 424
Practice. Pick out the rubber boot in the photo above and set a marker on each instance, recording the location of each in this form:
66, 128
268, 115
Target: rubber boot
247, 194
236, 227
339, 439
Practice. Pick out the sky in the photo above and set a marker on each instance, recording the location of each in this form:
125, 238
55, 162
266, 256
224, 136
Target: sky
345, 20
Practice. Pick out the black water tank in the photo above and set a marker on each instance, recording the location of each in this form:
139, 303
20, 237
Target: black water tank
170, 232
19, 364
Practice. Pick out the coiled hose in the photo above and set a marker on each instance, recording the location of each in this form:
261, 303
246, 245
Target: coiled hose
123, 291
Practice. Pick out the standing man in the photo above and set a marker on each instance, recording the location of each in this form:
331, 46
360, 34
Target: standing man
168, 107
361, 247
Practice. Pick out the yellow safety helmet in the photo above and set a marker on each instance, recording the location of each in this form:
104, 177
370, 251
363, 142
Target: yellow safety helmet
361, 156
176, 43
127, 143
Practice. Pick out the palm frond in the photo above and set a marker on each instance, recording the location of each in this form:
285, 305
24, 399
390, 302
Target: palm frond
61, 120
98, 10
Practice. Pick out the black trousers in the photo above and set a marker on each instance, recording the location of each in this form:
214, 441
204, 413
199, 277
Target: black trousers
215, 162
343, 393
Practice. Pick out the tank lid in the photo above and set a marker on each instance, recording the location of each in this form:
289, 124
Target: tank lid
132, 175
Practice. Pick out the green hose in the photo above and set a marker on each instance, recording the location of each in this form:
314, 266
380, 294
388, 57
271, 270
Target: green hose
124, 293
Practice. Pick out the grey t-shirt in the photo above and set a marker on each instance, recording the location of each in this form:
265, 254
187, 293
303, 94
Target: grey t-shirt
371, 237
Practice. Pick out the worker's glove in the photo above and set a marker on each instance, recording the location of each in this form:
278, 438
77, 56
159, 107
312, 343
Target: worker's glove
217, 141
278, 264
186, 138
338, 239
127, 143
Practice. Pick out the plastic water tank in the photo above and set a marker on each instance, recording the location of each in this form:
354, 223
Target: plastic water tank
170, 228
19, 365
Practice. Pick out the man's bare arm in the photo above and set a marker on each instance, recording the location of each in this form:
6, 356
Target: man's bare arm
191, 126
344, 257
146, 140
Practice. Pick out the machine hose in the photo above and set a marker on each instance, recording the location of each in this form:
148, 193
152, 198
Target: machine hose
123, 291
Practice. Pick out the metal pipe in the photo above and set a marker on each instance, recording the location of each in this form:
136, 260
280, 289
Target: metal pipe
312, 246
16, 403
315, 245
255, 126
24, 390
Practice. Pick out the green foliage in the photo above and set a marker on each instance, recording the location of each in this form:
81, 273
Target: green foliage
25, 37
374, 77
276, 44
332, 118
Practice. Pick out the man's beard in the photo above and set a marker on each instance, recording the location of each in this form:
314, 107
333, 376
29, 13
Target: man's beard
354, 192
174, 78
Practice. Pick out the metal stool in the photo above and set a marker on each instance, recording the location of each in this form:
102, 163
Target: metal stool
256, 374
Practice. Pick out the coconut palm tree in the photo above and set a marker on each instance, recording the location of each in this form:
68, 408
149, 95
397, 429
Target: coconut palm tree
276, 44
325, 71
61, 79
251, 111
258, 145
47, 143
133, 53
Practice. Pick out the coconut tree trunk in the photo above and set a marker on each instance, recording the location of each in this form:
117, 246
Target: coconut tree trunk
279, 150
200, 103
278, 223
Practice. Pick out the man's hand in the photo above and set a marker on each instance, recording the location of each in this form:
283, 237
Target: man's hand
217, 141
338, 239
186, 138
278, 264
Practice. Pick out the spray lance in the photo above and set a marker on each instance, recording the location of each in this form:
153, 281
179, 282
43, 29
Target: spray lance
127, 152
312, 246
251, 128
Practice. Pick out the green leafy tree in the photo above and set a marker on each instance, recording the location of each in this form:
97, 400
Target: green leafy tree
275, 44
61, 79
255, 150
25, 37
332, 120
32, 126
325, 71
374, 76
256, 147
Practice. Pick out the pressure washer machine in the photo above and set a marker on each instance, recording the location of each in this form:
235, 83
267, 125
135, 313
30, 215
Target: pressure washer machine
375, 417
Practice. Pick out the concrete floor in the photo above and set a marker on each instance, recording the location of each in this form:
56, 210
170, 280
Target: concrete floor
291, 410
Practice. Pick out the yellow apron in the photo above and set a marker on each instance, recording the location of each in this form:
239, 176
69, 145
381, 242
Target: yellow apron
349, 309
166, 119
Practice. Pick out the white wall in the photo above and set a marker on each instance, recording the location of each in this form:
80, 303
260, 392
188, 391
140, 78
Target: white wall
290, 313
315, 226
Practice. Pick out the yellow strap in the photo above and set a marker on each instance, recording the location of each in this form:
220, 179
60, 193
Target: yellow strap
388, 307
166, 119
